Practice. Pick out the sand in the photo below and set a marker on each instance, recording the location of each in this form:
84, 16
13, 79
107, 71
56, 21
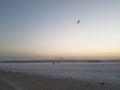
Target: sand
20, 81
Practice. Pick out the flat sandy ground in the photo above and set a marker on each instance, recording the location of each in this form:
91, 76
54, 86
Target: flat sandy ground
18, 81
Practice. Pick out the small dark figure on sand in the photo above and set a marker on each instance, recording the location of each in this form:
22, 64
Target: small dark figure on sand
53, 62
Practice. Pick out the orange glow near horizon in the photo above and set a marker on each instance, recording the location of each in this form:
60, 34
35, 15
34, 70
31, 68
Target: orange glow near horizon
75, 55
78, 52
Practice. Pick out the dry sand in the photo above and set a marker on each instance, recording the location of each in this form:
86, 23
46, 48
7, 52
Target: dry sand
19, 81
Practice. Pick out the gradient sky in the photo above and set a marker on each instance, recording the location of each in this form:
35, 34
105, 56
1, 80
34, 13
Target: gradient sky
48, 29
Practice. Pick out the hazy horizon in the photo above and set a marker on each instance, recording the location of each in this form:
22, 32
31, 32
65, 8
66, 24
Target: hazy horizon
48, 29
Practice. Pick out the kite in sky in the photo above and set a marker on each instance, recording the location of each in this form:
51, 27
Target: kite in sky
78, 21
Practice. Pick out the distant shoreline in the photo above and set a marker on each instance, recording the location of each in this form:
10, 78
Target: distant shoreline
40, 61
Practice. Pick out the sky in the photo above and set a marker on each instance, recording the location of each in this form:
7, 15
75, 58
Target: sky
38, 29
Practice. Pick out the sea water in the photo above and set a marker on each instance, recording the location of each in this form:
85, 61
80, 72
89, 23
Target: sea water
87, 71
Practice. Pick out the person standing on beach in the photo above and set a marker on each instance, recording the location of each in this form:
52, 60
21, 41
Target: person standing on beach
53, 62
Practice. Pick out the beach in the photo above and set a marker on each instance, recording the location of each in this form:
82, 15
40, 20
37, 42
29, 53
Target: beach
21, 81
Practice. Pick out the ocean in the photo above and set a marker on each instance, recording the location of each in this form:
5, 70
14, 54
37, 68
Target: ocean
108, 72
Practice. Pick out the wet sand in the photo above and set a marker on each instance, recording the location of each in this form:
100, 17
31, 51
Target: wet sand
20, 81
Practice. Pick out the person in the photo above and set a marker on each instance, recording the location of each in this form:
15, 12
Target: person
53, 62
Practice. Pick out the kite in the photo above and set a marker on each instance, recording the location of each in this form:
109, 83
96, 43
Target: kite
78, 21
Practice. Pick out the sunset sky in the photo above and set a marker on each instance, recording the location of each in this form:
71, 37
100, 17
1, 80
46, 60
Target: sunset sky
38, 29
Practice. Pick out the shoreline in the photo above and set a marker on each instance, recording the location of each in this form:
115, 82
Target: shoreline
22, 81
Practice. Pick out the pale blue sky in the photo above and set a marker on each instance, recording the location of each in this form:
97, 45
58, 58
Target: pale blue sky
47, 28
